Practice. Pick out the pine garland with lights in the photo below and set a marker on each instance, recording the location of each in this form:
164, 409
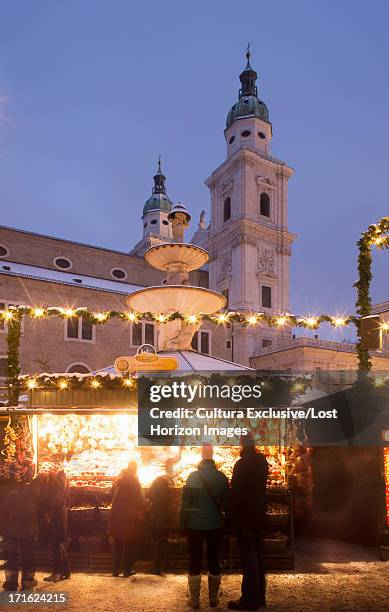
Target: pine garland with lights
77, 382
223, 317
13, 362
376, 235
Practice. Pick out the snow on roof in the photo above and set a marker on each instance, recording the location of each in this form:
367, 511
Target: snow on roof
191, 361
67, 278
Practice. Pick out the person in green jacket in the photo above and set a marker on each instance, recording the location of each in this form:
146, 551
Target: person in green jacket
203, 505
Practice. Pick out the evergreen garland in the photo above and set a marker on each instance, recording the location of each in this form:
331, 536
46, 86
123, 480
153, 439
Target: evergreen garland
13, 361
376, 235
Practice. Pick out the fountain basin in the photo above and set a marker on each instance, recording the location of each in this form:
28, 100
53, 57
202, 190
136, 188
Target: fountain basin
162, 256
176, 298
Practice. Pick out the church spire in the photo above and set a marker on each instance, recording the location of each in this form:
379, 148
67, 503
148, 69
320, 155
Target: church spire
159, 179
248, 78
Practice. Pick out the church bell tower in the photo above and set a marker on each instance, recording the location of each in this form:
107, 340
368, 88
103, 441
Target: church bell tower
249, 241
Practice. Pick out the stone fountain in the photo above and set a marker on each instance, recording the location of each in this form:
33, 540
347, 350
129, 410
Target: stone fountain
177, 259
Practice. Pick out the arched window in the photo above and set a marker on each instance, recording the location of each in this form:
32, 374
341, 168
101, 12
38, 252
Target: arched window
264, 204
79, 368
227, 209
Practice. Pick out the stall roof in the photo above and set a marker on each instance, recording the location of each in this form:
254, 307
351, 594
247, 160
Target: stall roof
191, 361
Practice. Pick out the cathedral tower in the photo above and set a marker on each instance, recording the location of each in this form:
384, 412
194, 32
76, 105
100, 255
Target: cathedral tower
249, 241
156, 226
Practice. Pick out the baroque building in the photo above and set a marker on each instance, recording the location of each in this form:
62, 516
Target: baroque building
248, 238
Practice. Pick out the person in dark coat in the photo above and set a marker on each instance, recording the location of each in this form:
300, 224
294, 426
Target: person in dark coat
19, 528
158, 497
126, 519
248, 509
204, 502
55, 525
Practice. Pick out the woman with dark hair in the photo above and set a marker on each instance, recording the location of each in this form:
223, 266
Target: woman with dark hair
54, 525
204, 502
126, 520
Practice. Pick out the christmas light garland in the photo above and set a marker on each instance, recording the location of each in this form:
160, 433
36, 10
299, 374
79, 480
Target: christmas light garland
376, 235
223, 317
77, 382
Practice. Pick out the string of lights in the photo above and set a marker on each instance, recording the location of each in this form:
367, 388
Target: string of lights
220, 318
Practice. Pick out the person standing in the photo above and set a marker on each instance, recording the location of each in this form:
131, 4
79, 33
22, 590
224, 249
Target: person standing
204, 501
55, 525
126, 520
248, 509
19, 528
158, 497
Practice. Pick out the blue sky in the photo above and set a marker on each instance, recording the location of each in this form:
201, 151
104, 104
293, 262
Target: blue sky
93, 91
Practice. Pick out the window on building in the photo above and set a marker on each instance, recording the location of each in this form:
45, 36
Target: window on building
264, 204
265, 296
118, 273
143, 333
79, 328
228, 344
266, 342
318, 372
153, 221
225, 292
78, 368
63, 263
136, 334
201, 342
3, 251
149, 333
227, 209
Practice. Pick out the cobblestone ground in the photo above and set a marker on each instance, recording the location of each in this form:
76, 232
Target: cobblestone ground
328, 576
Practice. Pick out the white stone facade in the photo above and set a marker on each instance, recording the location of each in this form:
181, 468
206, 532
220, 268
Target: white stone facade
250, 250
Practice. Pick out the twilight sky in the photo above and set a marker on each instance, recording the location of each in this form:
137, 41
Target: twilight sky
91, 92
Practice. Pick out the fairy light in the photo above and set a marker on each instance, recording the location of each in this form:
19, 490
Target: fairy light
222, 317
37, 313
95, 384
100, 316
298, 387
281, 320
128, 382
384, 327
8, 315
68, 312
161, 318
63, 384
132, 317
32, 383
379, 381
311, 321
252, 319
192, 318
339, 321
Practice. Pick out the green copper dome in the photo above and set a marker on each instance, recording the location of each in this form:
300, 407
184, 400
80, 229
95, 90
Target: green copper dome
248, 105
159, 199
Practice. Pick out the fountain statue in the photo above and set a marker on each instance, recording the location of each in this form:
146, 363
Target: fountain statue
177, 259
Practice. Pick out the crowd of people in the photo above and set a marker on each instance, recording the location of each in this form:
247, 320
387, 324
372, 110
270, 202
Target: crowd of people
210, 506
31, 511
